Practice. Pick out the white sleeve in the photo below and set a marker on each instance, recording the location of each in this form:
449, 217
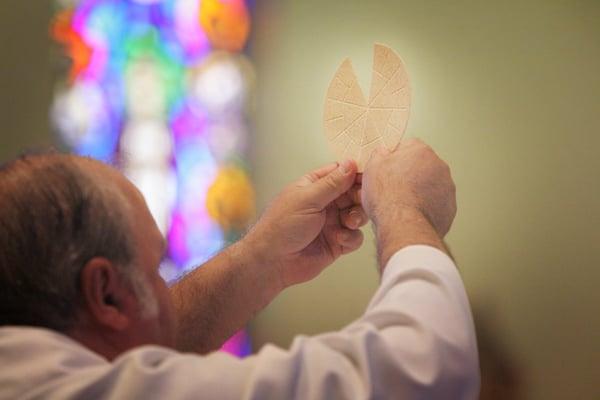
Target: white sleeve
415, 341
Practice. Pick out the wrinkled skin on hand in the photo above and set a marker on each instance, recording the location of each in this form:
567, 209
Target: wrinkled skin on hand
412, 177
311, 223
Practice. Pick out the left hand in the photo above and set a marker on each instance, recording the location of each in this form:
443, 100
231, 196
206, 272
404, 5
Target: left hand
310, 224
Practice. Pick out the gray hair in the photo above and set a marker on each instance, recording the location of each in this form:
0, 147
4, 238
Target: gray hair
54, 217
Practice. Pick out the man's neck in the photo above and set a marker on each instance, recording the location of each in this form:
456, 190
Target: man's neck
103, 345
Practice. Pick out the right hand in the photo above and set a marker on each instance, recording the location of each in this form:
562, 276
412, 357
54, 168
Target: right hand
412, 178
311, 223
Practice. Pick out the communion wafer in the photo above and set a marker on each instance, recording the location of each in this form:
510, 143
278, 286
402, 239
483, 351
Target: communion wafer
355, 127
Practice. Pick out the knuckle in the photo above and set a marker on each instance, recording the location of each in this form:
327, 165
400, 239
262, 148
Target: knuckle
420, 142
428, 149
354, 238
445, 168
331, 181
354, 194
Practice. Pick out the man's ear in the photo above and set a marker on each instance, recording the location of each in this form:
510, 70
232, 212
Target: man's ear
106, 295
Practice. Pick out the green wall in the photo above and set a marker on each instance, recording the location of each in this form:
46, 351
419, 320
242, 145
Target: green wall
509, 94
26, 75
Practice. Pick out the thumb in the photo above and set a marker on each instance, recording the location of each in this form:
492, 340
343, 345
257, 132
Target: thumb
331, 186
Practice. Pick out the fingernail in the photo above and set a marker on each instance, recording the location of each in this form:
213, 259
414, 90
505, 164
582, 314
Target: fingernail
346, 166
343, 236
355, 218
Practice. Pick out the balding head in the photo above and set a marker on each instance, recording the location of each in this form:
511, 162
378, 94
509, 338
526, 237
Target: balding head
56, 213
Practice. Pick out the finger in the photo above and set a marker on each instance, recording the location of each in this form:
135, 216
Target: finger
332, 218
353, 218
333, 185
350, 198
378, 153
318, 173
349, 240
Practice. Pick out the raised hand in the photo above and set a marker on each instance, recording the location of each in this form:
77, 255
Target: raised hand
409, 195
310, 224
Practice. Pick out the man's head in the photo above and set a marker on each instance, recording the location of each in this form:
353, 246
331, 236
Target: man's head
79, 253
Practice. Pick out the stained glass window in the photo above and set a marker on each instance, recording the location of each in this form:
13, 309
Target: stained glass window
164, 87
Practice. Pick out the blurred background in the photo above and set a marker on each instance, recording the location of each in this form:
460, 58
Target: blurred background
507, 92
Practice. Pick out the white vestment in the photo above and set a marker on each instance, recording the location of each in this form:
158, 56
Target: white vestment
416, 340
